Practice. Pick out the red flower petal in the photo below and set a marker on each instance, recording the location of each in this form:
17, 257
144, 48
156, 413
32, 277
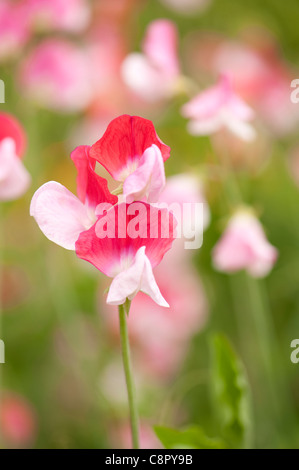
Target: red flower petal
124, 142
91, 188
10, 127
108, 254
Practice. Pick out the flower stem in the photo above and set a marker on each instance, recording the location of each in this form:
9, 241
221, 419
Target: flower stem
129, 375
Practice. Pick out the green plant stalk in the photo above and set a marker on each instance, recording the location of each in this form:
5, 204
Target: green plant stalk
129, 375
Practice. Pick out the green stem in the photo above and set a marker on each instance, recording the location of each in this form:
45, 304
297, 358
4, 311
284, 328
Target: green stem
129, 375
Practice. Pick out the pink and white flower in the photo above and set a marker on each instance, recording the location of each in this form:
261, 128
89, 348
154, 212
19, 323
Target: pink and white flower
65, 15
84, 223
219, 107
56, 75
14, 178
133, 154
244, 246
153, 74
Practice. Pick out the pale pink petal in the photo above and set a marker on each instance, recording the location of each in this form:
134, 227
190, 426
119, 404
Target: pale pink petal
148, 180
239, 128
144, 79
61, 216
14, 178
244, 246
138, 277
160, 46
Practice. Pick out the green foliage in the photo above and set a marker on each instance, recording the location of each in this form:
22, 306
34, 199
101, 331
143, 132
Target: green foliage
192, 437
230, 394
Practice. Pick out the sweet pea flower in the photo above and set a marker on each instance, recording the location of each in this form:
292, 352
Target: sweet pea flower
219, 107
66, 15
244, 246
14, 178
61, 215
128, 255
56, 75
17, 420
14, 28
133, 154
79, 223
153, 74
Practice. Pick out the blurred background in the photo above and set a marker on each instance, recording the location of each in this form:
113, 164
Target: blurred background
71, 67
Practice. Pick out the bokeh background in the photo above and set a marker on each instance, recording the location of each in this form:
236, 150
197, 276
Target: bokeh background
62, 384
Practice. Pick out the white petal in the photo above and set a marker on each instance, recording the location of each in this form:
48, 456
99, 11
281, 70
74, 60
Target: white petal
138, 277
61, 216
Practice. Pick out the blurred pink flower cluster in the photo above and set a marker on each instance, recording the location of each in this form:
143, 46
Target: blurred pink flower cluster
18, 422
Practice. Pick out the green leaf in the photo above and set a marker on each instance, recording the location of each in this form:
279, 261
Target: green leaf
230, 393
191, 438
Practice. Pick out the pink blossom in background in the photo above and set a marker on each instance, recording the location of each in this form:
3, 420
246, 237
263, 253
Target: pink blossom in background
219, 107
244, 245
183, 189
60, 214
187, 7
18, 424
65, 15
153, 74
56, 75
14, 28
258, 73
134, 155
14, 178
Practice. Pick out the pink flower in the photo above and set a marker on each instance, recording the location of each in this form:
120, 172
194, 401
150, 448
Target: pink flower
153, 73
14, 178
219, 107
128, 257
133, 154
62, 216
66, 15
14, 28
56, 76
17, 420
119, 243
258, 73
244, 246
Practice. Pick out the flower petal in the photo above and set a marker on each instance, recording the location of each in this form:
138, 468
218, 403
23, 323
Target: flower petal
14, 178
10, 127
138, 277
92, 189
123, 144
61, 216
109, 251
148, 181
